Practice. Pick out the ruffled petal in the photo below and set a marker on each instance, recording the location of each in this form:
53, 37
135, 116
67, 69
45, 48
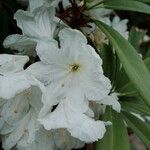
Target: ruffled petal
113, 101
12, 63
22, 43
37, 24
68, 116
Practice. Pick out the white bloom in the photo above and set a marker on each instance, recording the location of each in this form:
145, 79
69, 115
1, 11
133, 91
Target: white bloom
20, 104
120, 26
41, 24
73, 75
21, 109
75, 65
103, 15
71, 116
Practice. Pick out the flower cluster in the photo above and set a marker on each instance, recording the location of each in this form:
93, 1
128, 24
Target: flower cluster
49, 103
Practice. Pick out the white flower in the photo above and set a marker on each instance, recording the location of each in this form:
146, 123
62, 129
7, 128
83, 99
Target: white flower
41, 24
72, 75
72, 117
103, 15
20, 104
120, 26
75, 65
8, 64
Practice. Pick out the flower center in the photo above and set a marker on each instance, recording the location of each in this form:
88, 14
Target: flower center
74, 67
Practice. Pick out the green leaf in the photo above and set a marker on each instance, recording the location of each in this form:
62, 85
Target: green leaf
129, 87
140, 128
131, 61
135, 104
129, 5
108, 60
116, 137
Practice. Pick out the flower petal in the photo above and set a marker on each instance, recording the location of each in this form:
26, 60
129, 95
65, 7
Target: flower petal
47, 51
39, 71
10, 140
12, 85
36, 24
68, 116
12, 63
70, 38
22, 43
113, 101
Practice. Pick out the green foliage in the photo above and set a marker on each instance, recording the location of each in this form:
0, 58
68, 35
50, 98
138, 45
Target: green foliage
129, 82
116, 137
141, 129
135, 104
127, 5
131, 61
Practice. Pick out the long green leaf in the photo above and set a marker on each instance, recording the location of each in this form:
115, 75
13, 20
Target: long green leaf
126, 5
131, 61
116, 137
140, 128
136, 105
128, 87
